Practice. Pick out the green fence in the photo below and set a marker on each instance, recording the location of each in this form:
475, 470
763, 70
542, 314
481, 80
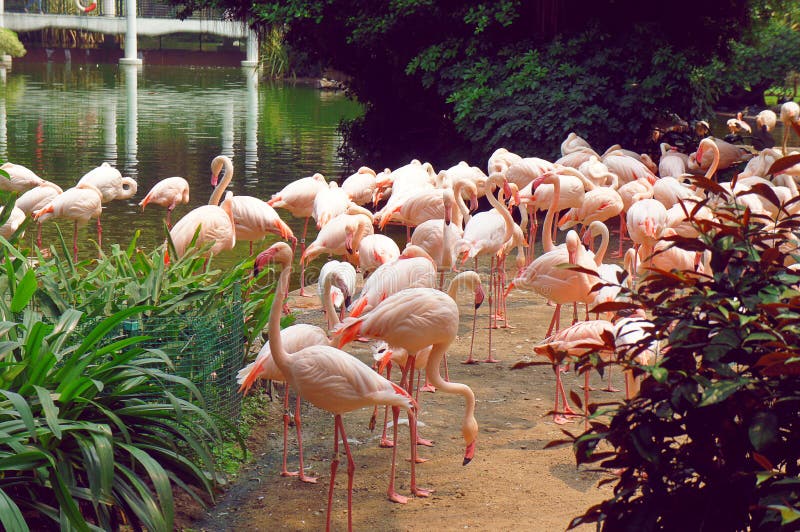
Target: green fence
206, 347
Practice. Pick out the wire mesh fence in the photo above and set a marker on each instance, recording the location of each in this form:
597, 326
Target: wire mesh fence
206, 346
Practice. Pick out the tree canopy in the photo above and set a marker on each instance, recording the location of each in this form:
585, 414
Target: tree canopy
442, 78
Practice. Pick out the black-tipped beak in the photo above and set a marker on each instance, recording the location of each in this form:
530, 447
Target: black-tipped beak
466, 461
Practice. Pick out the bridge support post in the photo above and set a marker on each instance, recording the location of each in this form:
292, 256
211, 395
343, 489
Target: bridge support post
252, 49
131, 57
109, 8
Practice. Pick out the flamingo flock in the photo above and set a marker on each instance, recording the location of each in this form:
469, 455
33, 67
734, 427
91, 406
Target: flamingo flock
374, 290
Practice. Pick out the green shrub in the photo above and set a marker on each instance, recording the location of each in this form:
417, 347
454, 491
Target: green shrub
91, 435
711, 441
10, 44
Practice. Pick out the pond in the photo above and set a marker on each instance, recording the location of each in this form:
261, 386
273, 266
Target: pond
151, 122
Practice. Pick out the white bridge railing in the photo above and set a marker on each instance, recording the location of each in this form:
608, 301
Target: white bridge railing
131, 25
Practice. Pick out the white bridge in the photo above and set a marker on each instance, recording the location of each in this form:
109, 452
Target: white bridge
105, 20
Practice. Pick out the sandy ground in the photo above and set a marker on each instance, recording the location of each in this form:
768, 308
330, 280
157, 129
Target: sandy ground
513, 483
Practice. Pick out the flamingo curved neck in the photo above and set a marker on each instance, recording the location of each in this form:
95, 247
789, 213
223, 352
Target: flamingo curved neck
503, 211
712, 170
275, 342
547, 227
456, 388
601, 251
222, 185
330, 311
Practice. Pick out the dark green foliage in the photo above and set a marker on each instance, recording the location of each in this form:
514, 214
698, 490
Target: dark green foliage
711, 441
509, 73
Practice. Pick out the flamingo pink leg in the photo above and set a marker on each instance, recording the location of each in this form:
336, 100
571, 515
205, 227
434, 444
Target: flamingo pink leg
302, 264
392, 493
298, 425
351, 467
561, 417
75, 242
492, 274
469, 359
99, 234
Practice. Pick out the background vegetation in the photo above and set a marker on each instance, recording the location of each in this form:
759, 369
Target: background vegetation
459, 79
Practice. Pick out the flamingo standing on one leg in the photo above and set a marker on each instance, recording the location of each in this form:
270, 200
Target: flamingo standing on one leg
80, 203
337, 382
169, 192
112, 186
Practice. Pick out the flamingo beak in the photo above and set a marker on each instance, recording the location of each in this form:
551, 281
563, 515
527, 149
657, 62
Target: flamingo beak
469, 453
509, 288
448, 213
387, 357
348, 242
473, 202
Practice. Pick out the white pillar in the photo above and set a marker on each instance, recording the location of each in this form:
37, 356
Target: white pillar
109, 8
2, 10
131, 120
131, 55
252, 49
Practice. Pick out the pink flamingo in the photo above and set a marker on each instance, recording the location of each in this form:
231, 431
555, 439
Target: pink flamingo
20, 178
790, 115
485, 234
212, 223
336, 382
36, 198
574, 341
414, 319
13, 222
340, 236
414, 268
112, 186
375, 250
253, 218
360, 187
329, 203
294, 338
80, 203
169, 193
298, 198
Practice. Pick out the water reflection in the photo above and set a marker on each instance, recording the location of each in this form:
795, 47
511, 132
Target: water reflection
151, 122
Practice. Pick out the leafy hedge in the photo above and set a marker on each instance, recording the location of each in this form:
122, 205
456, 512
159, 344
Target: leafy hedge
711, 441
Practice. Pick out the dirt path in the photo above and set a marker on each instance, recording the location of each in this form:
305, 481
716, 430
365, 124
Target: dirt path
513, 483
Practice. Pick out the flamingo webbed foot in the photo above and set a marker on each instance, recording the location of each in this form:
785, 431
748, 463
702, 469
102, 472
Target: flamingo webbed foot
307, 479
428, 388
491, 360
421, 492
386, 443
471, 361
396, 497
423, 441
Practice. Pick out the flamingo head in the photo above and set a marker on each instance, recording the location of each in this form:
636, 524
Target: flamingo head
470, 431
479, 295
278, 252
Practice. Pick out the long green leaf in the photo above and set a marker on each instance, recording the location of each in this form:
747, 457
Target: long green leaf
22, 409
50, 410
159, 479
10, 515
24, 292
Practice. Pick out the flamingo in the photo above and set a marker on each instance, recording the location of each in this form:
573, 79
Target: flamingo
790, 115
19, 178
169, 192
329, 203
485, 234
374, 250
253, 218
212, 223
298, 198
294, 338
360, 186
112, 186
335, 287
34, 199
15, 219
672, 162
414, 319
630, 341
414, 268
574, 341
80, 203
337, 382
340, 236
